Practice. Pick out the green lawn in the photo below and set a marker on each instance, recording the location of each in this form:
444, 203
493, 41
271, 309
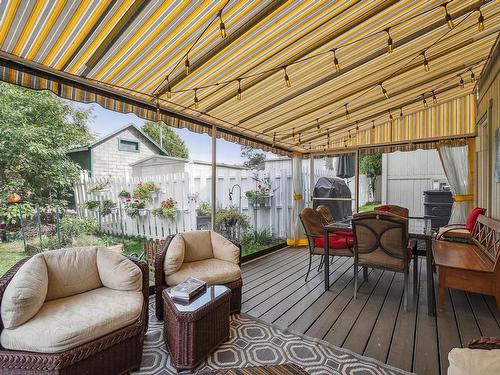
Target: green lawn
10, 254
369, 206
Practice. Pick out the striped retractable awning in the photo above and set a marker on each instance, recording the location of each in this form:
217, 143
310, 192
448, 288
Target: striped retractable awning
120, 53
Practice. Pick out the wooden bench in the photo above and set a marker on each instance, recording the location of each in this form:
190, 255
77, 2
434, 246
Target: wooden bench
473, 266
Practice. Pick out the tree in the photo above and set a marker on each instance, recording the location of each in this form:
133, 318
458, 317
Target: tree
172, 144
255, 159
371, 165
37, 129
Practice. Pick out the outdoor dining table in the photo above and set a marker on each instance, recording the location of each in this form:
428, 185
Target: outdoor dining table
419, 228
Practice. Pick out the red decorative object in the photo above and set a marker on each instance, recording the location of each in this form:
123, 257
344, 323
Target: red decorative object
472, 218
384, 207
13, 198
336, 241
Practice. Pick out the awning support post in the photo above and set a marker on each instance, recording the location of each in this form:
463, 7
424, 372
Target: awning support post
311, 180
296, 237
214, 176
356, 173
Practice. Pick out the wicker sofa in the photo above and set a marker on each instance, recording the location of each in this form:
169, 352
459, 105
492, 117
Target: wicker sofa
203, 254
73, 311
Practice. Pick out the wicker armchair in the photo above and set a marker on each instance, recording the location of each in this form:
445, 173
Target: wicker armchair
115, 352
203, 254
381, 241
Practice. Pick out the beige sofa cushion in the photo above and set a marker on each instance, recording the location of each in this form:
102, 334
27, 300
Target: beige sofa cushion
213, 271
474, 361
198, 245
71, 271
26, 292
69, 322
117, 271
224, 249
174, 256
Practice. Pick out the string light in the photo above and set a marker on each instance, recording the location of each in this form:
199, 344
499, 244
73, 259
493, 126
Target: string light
157, 108
186, 65
462, 83
299, 142
222, 26
169, 90
447, 17
347, 115
287, 79
401, 112
274, 139
293, 133
390, 115
384, 91
196, 101
390, 47
318, 126
480, 21
424, 102
336, 61
426, 63
357, 126
472, 76
434, 98
238, 96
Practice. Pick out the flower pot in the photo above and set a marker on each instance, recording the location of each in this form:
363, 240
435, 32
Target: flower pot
101, 192
113, 210
142, 211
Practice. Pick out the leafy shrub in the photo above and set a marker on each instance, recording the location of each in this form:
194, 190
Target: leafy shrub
91, 205
10, 212
106, 206
73, 226
258, 237
231, 218
204, 209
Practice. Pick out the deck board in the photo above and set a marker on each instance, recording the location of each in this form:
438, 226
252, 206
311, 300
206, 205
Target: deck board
375, 324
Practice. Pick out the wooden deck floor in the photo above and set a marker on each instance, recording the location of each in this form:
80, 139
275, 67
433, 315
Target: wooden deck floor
374, 324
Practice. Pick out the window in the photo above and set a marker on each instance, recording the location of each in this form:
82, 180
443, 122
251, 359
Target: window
125, 145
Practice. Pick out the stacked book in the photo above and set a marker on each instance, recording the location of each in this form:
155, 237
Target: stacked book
188, 289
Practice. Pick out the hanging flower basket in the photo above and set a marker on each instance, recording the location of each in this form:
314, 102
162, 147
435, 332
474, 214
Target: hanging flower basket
142, 211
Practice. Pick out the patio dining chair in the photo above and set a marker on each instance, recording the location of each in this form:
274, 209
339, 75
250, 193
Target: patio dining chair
339, 244
381, 241
394, 209
325, 214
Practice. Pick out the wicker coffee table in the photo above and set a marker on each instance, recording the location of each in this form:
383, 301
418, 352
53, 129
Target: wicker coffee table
192, 331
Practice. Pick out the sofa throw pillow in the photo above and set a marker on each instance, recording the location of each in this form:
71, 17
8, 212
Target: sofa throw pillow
174, 256
26, 292
224, 249
118, 272
472, 218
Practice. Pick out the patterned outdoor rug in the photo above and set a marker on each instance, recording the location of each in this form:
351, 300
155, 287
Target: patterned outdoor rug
254, 343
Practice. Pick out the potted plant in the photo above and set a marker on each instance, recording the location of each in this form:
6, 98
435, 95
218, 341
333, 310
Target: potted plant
203, 215
108, 207
230, 221
100, 188
262, 195
167, 209
124, 195
135, 208
146, 191
92, 205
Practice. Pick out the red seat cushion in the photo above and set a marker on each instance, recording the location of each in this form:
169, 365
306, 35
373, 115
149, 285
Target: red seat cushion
472, 218
336, 241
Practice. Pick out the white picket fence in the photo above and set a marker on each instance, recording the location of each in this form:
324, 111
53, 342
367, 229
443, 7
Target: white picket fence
189, 191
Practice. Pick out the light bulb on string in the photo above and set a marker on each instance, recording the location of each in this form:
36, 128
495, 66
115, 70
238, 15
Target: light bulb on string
169, 90
384, 91
426, 62
390, 115
461, 83
472, 76
222, 26
196, 101
401, 112
480, 21
336, 61
318, 126
424, 102
434, 98
186, 66
447, 17
274, 138
390, 46
347, 115
287, 79
238, 96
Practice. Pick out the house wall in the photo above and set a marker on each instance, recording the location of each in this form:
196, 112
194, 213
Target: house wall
108, 160
488, 190
406, 175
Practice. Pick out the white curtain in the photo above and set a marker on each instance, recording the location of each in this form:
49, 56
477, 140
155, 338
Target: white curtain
456, 167
296, 233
